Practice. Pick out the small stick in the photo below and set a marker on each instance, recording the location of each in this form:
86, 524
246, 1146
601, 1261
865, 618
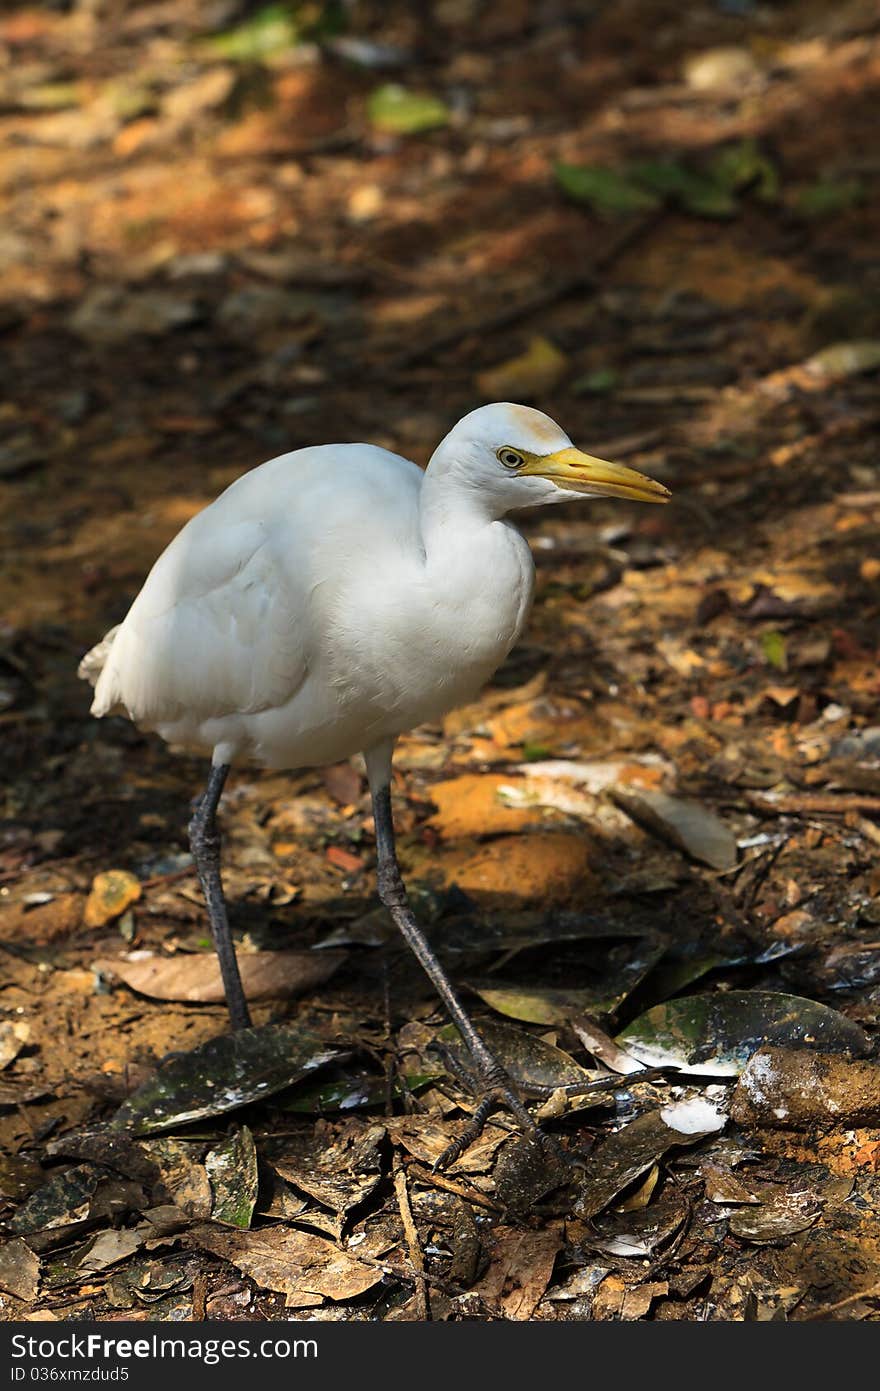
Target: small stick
873, 1292
812, 804
412, 1240
449, 1185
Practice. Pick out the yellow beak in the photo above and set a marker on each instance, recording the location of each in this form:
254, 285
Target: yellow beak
581, 473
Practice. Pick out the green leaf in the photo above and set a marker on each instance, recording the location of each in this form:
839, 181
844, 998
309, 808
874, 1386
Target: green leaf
605, 190
715, 1034
534, 753
273, 29
394, 109
828, 196
773, 646
745, 166
696, 193
601, 380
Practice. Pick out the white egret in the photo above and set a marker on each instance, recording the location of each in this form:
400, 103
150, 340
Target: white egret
330, 600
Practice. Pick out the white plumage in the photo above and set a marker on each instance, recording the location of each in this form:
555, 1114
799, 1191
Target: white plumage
337, 595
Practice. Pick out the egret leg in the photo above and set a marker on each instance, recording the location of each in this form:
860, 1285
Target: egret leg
496, 1087
204, 840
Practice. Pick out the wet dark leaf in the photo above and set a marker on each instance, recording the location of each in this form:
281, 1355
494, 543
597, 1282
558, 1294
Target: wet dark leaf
61, 1202
628, 1153
715, 1035
232, 1170
356, 1090
526, 1058
641, 1232
223, 1075
109, 1248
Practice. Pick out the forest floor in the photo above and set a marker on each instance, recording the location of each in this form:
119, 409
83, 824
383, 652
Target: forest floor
659, 223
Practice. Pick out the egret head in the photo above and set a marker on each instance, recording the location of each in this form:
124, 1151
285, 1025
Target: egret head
516, 456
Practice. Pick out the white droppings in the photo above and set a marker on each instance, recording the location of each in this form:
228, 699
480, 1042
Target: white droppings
693, 1117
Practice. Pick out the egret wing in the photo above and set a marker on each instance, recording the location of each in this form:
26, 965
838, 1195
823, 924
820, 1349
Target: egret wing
218, 629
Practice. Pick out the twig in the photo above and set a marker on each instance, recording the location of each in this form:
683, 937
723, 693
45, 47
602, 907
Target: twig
449, 1185
812, 804
199, 1297
169, 878
412, 1239
873, 1292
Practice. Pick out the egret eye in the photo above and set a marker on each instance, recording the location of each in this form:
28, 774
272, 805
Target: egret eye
510, 458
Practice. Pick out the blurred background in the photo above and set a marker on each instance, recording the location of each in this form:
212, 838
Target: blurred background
230, 229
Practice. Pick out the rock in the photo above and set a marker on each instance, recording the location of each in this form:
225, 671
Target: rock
798, 1089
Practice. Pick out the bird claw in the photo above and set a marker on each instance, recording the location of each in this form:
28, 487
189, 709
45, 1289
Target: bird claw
495, 1088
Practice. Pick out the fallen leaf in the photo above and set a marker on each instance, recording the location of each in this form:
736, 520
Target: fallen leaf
19, 1270
686, 825
630, 1152
604, 190
397, 111
305, 1267
111, 893
539, 369
14, 1034
61, 1202
715, 1035
266, 975
340, 1175
232, 1170
527, 1058
109, 1249
520, 1269
223, 1075
343, 859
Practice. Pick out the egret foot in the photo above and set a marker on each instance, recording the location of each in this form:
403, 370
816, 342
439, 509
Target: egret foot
204, 840
493, 1086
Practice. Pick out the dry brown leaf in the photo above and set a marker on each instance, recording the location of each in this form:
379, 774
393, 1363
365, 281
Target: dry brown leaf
540, 368
305, 1267
472, 805
522, 1263
549, 866
274, 975
111, 893
19, 1269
